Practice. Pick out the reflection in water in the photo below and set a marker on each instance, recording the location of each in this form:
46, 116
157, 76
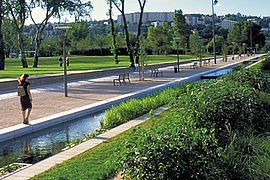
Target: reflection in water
27, 153
45, 143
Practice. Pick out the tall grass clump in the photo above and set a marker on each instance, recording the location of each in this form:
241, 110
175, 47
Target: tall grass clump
133, 108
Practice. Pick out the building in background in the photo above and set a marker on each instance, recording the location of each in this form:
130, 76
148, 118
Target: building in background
192, 19
227, 24
148, 17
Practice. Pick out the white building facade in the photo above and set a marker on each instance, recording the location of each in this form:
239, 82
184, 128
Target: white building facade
227, 24
133, 18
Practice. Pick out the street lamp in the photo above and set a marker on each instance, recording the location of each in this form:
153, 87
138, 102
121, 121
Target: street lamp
177, 41
250, 37
64, 55
214, 2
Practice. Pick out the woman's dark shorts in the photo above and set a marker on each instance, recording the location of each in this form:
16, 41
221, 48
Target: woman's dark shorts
25, 103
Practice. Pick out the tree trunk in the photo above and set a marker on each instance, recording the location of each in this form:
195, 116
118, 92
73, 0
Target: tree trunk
113, 34
2, 51
131, 57
23, 58
37, 48
139, 32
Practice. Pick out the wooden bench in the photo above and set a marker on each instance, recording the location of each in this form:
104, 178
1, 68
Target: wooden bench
194, 65
206, 62
155, 72
122, 79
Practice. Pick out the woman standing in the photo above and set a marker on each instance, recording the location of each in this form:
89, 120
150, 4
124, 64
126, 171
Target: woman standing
26, 101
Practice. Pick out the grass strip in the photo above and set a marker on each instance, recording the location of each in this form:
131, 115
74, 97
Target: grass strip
50, 65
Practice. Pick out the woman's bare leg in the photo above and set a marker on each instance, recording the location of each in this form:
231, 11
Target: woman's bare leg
23, 114
28, 114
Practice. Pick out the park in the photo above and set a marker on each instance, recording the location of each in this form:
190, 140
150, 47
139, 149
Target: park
182, 96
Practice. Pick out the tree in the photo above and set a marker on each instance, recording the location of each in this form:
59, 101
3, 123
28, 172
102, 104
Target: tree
241, 31
17, 10
142, 5
181, 28
160, 38
101, 42
219, 43
225, 51
143, 57
194, 43
53, 8
9, 36
2, 52
114, 47
78, 32
120, 5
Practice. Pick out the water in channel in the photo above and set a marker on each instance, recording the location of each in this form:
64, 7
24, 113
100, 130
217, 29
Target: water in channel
35, 147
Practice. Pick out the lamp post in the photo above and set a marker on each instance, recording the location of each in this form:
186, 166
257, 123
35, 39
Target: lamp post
177, 41
64, 55
214, 2
250, 38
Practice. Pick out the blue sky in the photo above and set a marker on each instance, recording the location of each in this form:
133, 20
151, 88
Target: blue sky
247, 7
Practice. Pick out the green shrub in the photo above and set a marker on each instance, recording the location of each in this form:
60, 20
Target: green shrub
246, 157
176, 150
198, 142
266, 64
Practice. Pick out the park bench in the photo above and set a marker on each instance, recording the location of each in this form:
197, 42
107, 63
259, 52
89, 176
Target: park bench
194, 65
155, 72
122, 79
206, 62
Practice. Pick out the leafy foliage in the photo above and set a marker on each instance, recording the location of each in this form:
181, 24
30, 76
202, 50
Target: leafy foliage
211, 133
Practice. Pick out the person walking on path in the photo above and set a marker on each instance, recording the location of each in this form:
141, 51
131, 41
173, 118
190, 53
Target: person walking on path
67, 61
60, 61
26, 101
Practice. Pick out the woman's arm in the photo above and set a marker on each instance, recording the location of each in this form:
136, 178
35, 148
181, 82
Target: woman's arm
29, 93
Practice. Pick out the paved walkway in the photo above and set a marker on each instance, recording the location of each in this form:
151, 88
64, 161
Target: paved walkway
49, 99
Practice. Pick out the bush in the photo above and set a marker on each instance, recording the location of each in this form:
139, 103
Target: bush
246, 157
266, 64
209, 134
97, 52
176, 150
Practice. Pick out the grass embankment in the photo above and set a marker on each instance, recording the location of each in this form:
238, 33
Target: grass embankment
50, 65
212, 130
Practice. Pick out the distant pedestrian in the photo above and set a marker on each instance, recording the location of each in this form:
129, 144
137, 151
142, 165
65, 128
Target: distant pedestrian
67, 61
239, 56
60, 62
26, 101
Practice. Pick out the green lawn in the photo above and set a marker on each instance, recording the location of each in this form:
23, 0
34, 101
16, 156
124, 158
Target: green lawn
50, 65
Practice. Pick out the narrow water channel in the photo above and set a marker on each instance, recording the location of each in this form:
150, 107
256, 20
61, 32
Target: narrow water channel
35, 147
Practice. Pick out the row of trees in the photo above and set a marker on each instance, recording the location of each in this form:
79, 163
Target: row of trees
159, 39
17, 11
